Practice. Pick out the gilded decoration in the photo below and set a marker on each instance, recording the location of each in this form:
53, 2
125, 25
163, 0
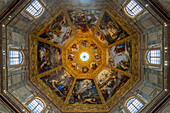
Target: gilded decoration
84, 58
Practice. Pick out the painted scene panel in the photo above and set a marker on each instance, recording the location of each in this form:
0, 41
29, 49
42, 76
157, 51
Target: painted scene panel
59, 31
85, 92
84, 21
110, 81
48, 57
120, 56
59, 81
109, 31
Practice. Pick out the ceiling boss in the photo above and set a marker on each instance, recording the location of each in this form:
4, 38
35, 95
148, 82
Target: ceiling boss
84, 55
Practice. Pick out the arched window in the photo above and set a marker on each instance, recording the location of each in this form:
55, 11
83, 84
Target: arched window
153, 56
15, 57
36, 106
133, 105
133, 8
35, 8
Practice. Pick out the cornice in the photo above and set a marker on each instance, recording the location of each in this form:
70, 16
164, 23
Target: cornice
158, 8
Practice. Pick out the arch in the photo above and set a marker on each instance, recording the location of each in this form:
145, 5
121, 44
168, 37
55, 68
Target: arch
35, 8
153, 56
134, 105
133, 8
37, 105
16, 57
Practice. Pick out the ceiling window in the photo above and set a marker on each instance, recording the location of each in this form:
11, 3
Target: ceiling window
15, 57
133, 8
133, 105
153, 57
36, 106
35, 8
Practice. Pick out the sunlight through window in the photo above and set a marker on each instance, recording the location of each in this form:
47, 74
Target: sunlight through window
15, 57
133, 8
134, 105
153, 57
36, 106
35, 8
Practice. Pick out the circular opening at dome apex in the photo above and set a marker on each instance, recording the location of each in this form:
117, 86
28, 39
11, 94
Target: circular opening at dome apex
84, 56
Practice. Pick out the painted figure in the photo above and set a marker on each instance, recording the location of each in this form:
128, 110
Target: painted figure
71, 56
110, 81
48, 57
84, 43
75, 65
59, 31
84, 69
93, 65
85, 92
109, 31
93, 47
84, 21
97, 56
59, 81
120, 56
75, 47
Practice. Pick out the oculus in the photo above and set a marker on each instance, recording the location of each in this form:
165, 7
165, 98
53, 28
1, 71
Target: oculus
84, 56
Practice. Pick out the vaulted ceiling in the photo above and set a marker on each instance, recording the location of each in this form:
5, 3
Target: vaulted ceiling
84, 55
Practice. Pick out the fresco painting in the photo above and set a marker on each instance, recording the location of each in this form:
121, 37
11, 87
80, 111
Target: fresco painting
48, 57
75, 65
110, 81
97, 56
93, 65
85, 92
59, 81
71, 56
59, 31
84, 21
84, 69
93, 47
120, 56
84, 43
109, 31
75, 47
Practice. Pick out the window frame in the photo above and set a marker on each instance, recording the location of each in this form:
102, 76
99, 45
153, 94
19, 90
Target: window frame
43, 9
133, 16
146, 57
39, 98
23, 58
125, 104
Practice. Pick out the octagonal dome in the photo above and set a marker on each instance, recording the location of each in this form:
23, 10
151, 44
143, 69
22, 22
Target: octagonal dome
72, 56
83, 57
